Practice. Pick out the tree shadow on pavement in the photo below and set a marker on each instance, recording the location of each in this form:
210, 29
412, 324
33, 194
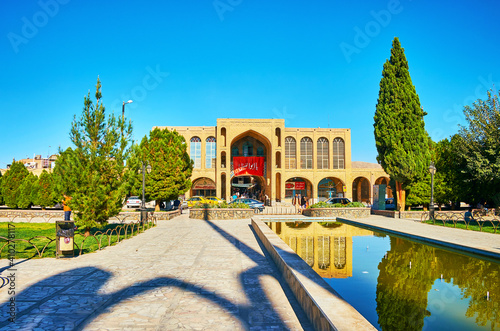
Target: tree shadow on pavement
73, 299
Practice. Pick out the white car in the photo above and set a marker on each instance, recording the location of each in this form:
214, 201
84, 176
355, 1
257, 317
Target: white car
133, 202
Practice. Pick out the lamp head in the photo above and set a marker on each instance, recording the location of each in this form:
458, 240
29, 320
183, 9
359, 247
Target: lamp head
432, 168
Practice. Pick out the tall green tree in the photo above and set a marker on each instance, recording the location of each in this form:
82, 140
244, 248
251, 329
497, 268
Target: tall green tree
133, 179
479, 146
400, 136
171, 166
11, 183
25, 199
44, 191
92, 173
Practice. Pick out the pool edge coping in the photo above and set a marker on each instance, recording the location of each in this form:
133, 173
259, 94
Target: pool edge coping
324, 307
442, 243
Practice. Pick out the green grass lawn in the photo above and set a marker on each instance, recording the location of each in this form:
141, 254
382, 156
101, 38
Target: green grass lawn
487, 227
30, 230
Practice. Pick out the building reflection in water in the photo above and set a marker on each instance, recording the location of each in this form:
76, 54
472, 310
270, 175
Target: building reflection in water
325, 246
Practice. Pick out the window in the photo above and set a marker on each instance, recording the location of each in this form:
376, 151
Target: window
306, 153
260, 151
195, 152
210, 153
235, 151
323, 153
290, 153
247, 149
338, 153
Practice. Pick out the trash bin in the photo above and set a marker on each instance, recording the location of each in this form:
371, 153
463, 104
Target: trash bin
144, 216
65, 243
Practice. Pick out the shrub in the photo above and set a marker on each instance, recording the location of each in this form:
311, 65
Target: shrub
221, 205
323, 204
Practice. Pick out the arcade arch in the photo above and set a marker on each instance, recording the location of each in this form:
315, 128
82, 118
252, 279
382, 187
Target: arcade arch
298, 185
330, 187
203, 186
361, 190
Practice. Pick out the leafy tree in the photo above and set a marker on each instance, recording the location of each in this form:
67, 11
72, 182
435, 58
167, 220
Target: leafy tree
479, 146
400, 136
132, 177
171, 166
92, 173
419, 192
25, 200
11, 183
45, 194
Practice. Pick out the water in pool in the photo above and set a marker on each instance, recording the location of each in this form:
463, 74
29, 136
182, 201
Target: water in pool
398, 284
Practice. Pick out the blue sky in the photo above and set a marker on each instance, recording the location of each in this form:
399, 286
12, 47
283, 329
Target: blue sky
315, 63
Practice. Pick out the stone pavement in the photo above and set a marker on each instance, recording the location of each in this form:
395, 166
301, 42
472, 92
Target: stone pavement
182, 274
464, 240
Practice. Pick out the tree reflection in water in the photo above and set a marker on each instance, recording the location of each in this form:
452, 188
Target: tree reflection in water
402, 290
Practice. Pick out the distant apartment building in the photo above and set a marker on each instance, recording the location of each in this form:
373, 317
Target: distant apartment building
37, 164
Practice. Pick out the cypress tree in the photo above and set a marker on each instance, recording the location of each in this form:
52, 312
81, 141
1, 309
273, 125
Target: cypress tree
45, 195
92, 173
25, 200
11, 183
171, 166
402, 143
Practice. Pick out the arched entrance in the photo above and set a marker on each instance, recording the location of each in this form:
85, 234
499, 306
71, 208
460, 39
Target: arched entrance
250, 158
330, 187
298, 185
385, 181
204, 187
361, 190
248, 187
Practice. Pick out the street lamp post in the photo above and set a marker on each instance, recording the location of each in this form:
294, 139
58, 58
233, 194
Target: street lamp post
144, 212
123, 107
432, 170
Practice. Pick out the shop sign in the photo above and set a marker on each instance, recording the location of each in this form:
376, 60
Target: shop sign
204, 184
295, 185
248, 165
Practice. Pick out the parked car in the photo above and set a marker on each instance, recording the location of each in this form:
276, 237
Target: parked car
194, 200
133, 202
390, 204
214, 200
343, 201
252, 203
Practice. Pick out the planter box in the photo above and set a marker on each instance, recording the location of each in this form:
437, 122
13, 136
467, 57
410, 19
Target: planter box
338, 212
220, 213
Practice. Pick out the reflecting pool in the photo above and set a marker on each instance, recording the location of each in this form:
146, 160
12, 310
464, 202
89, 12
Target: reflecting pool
398, 284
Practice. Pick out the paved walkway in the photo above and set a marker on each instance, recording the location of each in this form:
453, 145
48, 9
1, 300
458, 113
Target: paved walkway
181, 274
461, 239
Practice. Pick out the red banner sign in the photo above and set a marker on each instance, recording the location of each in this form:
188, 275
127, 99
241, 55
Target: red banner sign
250, 165
295, 185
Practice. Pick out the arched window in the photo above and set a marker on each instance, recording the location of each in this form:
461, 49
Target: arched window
338, 154
195, 152
306, 153
323, 153
210, 153
290, 153
247, 149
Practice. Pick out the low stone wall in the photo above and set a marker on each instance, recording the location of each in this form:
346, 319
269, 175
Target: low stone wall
325, 309
412, 214
387, 213
50, 216
337, 212
221, 213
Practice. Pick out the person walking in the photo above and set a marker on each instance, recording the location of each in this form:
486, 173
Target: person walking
303, 202
66, 208
296, 203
